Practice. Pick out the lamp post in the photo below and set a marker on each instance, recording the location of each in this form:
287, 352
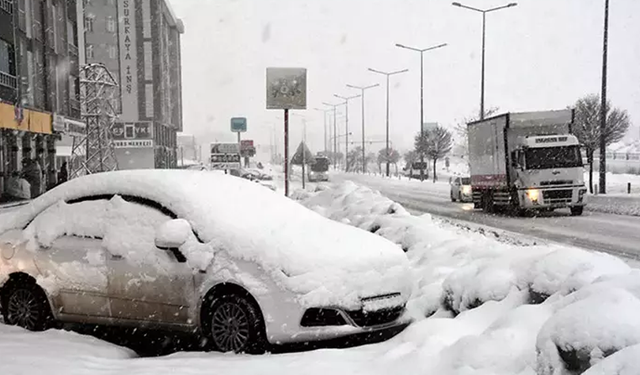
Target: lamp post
388, 74
362, 90
484, 18
324, 115
421, 51
335, 129
603, 104
346, 121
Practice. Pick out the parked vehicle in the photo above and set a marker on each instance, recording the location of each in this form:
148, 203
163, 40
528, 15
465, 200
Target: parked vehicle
319, 170
461, 189
416, 170
205, 253
526, 161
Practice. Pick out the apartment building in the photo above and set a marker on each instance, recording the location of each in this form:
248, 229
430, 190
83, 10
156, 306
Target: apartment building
139, 42
39, 84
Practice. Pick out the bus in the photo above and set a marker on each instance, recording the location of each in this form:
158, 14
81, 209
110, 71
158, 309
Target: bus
319, 170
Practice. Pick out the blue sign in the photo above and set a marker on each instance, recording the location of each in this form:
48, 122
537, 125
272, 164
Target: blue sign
238, 124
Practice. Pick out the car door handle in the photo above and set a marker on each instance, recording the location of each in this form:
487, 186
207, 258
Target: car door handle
116, 257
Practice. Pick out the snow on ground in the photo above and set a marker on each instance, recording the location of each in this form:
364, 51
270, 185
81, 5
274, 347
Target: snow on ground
481, 307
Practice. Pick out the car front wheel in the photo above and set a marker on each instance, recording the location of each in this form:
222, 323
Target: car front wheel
234, 324
26, 305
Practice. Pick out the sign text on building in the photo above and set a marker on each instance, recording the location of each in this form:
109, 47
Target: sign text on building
128, 59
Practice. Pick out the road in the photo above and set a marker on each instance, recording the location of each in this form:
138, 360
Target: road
615, 234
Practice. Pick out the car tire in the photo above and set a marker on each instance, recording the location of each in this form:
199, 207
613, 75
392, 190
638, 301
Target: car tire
25, 304
232, 323
460, 196
453, 199
577, 210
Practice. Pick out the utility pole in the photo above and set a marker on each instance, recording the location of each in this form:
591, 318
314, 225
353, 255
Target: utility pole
603, 104
422, 51
362, 90
346, 150
335, 130
326, 139
484, 19
388, 74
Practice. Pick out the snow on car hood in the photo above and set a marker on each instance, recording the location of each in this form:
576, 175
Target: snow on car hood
325, 262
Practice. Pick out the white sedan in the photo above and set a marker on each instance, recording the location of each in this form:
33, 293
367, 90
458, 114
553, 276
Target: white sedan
206, 253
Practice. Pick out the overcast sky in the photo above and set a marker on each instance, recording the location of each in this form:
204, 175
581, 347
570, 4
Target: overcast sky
542, 54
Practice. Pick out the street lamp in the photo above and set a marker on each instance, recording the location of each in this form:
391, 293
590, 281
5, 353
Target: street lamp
388, 74
362, 90
335, 129
422, 51
484, 14
324, 115
603, 104
346, 149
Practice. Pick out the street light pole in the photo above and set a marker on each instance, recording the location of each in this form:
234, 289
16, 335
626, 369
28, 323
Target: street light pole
422, 51
326, 139
346, 149
335, 130
362, 90
388, 74
484, 18
603, 104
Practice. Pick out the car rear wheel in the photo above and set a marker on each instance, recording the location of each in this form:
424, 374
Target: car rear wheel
24, 304
234, 324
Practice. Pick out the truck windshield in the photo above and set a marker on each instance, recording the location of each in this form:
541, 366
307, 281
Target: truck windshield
553, 157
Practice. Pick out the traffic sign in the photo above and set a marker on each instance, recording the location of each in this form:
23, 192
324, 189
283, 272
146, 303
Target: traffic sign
238, 124
225, 156
286, 88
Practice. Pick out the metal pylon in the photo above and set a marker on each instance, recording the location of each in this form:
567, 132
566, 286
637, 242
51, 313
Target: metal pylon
94, 151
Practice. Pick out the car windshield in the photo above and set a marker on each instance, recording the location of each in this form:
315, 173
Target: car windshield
465, 181
553, 157
320, 165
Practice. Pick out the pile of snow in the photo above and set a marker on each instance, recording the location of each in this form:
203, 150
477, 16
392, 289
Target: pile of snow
486, 296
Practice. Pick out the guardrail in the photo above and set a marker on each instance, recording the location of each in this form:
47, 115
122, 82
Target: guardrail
7, 6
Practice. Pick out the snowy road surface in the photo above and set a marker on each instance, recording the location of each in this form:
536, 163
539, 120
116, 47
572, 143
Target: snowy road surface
615, 234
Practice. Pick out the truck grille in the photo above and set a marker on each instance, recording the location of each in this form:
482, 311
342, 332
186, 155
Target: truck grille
556, 182
557, 196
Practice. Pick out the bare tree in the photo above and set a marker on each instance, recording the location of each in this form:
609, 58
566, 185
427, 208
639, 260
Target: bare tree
394, 158
354, 159
436, 144
587, 127
410, 157
463, 131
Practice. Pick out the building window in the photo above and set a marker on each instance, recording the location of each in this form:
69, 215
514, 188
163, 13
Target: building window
88, 23
113, 52
148, 61
89, 51
111, 24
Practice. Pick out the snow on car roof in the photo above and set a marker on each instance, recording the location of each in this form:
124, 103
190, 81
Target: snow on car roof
251, 222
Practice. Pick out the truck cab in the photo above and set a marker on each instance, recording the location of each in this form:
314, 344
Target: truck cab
547, 172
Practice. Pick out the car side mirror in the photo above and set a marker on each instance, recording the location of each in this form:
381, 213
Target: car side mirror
173, 234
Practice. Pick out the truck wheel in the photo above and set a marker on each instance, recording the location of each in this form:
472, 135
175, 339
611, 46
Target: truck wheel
487, 203
577, 210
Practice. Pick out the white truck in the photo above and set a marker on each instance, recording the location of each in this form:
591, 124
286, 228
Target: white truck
526, 161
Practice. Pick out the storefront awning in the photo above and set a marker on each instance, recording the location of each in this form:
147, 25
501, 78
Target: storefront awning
31, 120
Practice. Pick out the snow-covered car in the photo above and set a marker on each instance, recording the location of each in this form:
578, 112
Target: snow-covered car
461, 189
205, 253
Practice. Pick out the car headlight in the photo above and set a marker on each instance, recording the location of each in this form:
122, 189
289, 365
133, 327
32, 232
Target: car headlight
466, 189
533, 194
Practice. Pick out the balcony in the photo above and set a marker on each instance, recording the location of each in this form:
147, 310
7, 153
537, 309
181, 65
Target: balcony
7, 6
7, 80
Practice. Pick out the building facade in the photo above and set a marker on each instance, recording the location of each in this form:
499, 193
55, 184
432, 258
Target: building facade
39, 85
139, 42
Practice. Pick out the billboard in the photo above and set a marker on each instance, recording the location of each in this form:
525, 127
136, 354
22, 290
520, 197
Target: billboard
225, 156
286, 88
128, 59
132, 130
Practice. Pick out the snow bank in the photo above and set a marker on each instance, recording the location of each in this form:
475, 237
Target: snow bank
513, 306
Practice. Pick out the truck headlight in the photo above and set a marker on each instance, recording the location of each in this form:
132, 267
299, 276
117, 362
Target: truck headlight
533, 195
